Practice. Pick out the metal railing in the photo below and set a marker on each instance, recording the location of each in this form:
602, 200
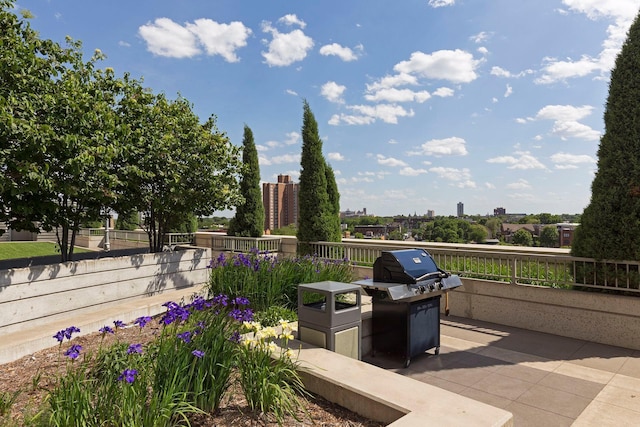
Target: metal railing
91, 232
514, 265
173, 239
246, 244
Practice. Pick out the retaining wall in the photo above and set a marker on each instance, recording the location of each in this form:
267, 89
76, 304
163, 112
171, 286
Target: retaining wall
34, 297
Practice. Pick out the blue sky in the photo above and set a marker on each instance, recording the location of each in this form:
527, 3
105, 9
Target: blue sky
420, 104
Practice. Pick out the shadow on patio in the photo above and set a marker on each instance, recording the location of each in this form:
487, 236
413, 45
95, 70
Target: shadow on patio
541, 379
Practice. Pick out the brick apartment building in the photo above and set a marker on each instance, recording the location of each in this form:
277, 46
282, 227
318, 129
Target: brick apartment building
280, 202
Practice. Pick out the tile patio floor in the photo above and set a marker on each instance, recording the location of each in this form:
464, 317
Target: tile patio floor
542, 379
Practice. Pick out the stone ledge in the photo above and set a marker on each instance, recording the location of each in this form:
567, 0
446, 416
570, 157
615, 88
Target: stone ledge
388, 397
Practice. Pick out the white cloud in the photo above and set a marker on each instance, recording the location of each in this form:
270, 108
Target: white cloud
292, 138
566, 125
368, 114
483, 50
401, 79
350, 119
521, 184
291, 92
292, 19
443, 92
460, 177
344, 53
481, 37
389, 161
453, 146
285, 158
508, 91
501, 72
332, 91
335, 156
523, 161
220, 39
456, 66
124, 43
398, 95
285, 48
392, 141
409, 171
571, 161
167, 38
489, 185
621, 13
441, 3
272, 144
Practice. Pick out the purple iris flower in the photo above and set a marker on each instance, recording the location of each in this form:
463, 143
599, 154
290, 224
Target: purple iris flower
129, 375
106, 330
235, 337
142, 321
185, 336
59, 336
73, 352
119, 324
69, 331
198, 353
134, 348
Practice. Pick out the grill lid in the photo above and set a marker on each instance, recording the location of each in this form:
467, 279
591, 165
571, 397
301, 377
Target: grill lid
408, 266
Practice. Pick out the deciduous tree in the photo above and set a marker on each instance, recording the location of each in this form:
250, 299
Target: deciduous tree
549, 236
174, 166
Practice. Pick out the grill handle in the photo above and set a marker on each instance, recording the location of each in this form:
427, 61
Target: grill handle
433, 275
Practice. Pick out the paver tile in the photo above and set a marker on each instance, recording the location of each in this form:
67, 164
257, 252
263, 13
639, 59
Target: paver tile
529, 416
501, 385
554, 400
580, 387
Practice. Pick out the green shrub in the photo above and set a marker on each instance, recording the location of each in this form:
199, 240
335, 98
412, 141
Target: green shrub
272, 315
268, 281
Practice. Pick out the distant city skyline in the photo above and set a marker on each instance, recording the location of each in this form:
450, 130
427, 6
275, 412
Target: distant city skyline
495, 103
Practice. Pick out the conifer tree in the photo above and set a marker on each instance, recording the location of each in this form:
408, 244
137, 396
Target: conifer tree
610, 224
334, 200
249, 218
316, 212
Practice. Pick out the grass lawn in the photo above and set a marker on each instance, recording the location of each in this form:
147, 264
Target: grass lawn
11, 250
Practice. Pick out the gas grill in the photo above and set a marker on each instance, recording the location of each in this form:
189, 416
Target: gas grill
405, 291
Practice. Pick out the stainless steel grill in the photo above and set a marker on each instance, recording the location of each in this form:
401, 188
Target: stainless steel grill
406, 289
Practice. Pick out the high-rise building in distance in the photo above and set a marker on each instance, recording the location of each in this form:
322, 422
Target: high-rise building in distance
280, 202
460, 209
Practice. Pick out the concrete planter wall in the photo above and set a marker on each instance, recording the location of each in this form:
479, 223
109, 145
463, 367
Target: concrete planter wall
35, 296
589, 316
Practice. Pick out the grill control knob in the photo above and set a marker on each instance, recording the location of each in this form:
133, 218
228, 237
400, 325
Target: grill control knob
431, 287
422, 289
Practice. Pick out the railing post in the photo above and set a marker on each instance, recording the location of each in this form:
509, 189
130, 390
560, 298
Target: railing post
514, 266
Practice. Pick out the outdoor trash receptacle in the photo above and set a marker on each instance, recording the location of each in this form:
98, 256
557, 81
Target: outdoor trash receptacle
329, 316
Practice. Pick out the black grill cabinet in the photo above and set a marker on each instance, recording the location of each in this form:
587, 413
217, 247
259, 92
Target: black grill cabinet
406, 289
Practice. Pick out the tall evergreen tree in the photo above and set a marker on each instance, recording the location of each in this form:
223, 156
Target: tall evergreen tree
249, 218
334, 200
610, 225
315, 221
